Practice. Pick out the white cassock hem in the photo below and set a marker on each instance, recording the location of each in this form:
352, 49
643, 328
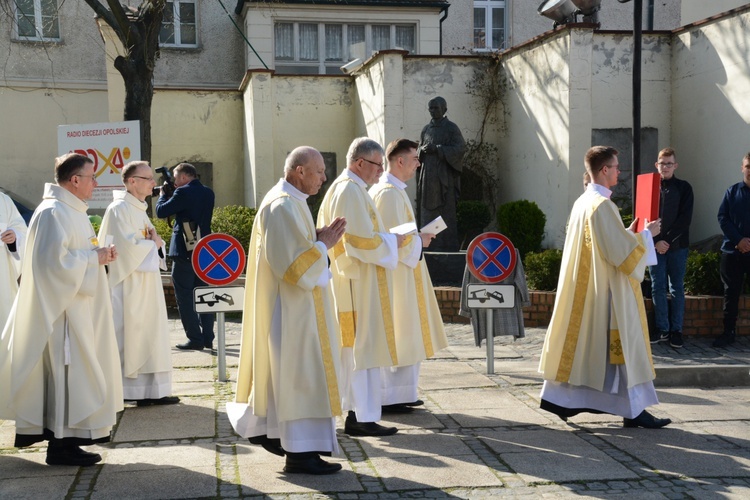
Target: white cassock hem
627, 403
361, 389
399, 384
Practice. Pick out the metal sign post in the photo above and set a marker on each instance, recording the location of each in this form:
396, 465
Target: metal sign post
219, 259
491, 258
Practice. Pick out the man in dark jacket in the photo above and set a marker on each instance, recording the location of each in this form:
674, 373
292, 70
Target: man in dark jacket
676, 212
734, 219
192, 206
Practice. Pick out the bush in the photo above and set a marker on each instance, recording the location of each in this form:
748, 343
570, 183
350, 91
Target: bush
164, 230
472, 217
234, 220
702, 275
523, 223
543, 269
96, 223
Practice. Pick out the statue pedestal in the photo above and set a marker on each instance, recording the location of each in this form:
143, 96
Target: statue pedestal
446, 268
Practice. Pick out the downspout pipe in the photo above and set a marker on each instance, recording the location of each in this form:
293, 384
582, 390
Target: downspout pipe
444, 11
650, 16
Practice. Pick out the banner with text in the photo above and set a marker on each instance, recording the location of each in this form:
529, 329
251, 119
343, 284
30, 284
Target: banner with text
109, 145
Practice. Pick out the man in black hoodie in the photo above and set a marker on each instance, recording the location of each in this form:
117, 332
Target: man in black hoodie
675, 211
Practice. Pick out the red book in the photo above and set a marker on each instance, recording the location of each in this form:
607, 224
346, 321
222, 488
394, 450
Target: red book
647, 194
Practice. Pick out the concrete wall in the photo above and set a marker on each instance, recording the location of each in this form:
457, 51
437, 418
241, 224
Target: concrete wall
711, 112
202, 126
696, 10
537, 149
283, 112
29, 144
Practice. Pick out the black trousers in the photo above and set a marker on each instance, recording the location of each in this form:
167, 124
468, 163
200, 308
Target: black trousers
734, 267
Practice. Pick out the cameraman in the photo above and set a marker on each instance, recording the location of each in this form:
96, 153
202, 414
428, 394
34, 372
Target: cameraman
192, 205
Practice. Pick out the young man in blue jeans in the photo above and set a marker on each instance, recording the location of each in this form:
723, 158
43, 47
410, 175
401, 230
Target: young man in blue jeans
676, 211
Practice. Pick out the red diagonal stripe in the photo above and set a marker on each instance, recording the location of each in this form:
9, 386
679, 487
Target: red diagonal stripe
219, 259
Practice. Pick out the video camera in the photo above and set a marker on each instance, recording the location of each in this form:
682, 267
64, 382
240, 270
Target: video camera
167, 183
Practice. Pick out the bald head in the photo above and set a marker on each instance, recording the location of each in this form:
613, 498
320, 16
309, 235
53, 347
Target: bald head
304, 169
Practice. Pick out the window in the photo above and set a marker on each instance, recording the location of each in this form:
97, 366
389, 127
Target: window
36, 20
179, 26
322, 48
489, 25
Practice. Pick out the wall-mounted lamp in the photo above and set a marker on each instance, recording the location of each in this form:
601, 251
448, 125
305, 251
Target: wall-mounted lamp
567, 11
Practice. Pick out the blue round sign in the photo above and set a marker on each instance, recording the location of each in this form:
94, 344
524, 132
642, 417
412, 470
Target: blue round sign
491, 257
218, 259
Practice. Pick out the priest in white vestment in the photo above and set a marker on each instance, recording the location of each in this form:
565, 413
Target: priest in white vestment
138, 306
287, 396
59, 366
597, 355
13, 237
361, 264
417, 322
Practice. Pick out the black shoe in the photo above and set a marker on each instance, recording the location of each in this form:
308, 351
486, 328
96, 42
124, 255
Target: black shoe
646, 420
309, 463
71, 455
659, 336
354, 428
166, 400
725, 339
397, 408
418, 402
271, 445
675, 339
209, 346
189, 346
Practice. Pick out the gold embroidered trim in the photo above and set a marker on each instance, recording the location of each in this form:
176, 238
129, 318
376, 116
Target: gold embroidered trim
628, 266
422, 307
385, 306
576, 313
616, 356
325, 349
348, 328
338, 249
636, 287
301, 265
362, 243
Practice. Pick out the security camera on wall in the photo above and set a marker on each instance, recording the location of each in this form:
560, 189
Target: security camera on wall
352, 66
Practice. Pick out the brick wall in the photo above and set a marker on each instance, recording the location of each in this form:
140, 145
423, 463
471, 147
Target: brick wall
703, 315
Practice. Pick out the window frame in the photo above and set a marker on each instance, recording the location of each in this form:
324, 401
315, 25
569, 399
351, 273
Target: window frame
489, 6
177, 26
324, 65
38, 24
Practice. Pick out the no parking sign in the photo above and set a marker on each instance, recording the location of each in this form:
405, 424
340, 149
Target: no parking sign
491, 257
218, 259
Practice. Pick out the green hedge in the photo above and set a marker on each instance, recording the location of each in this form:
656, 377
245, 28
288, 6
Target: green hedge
472, 217
523, 223
543, 269
702, 275
234, 220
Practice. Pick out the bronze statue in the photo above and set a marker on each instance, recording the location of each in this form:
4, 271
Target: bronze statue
441, 152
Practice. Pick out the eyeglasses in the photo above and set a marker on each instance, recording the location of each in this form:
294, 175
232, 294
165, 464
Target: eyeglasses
368, 161
666, 164
144, 178
81, 175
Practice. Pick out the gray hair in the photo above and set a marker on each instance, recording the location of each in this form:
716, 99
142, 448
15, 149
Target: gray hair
362, 146
299, 156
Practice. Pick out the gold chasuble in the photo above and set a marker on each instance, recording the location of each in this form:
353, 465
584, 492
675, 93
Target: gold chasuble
361, 285
416, 314
284, 270
145, 327
599, 317
59, 363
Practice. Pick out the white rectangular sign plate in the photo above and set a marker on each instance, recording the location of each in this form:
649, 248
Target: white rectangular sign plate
486, 296
213, 299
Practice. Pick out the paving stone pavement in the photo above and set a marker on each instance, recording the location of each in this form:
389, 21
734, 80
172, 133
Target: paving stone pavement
477, 436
